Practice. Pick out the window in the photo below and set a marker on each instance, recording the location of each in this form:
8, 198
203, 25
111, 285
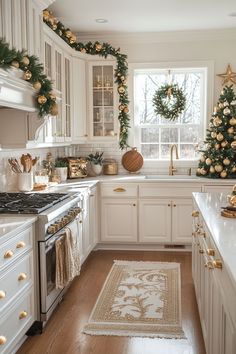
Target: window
154, 134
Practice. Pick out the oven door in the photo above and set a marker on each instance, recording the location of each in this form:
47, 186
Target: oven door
49, 295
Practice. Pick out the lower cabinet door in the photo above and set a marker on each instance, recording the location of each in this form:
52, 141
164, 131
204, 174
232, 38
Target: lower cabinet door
155, 220
181, 220
119, 220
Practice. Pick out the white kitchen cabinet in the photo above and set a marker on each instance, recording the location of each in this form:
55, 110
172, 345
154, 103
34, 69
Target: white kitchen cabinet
214, 291
17, 284
102, 101
218, 188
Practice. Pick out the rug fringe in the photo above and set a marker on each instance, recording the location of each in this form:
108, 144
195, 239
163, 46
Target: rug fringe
132, 334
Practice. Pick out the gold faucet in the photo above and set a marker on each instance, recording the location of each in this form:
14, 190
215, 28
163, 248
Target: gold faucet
172, 169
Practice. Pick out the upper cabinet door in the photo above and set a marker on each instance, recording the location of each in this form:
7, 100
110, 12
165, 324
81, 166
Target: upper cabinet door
103, 110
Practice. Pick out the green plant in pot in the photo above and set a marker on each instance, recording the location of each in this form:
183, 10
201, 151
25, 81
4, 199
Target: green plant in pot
96, 162
61, 169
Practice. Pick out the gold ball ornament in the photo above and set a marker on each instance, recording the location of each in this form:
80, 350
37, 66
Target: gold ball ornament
82, 50
232, 121
46, 15
121, 89
25, 61
52, 97
233, 103
15, 64
233, 145
202, 158
217, 121
223, 174
98, 47
226, 104
218, 168
126, 110
230, 130
233, 169
212, 169
232, 200
213, 135
121, 107
198, 171
42, 99
54, 27
37, 85
226, 111
208, 161
203, 171
226, 161
68, 34
54, 109
224, 143
220, 137
27, 75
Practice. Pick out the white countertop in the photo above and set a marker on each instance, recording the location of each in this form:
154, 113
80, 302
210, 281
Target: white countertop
12, 225
222, 229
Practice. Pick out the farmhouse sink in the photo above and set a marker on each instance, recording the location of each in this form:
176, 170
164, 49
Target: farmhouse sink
174, 177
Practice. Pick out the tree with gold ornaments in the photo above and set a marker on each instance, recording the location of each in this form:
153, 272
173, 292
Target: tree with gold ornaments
218, 158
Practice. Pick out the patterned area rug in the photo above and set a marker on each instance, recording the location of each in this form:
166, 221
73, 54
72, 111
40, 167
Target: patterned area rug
139, 299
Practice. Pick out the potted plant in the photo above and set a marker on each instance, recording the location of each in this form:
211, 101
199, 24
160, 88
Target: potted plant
61, 169
96, 162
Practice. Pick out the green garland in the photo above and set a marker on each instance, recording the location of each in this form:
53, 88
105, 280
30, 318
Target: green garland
102, 50
169, 101
33, 73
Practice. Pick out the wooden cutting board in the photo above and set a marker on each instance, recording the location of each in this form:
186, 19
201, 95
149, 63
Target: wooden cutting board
132, 160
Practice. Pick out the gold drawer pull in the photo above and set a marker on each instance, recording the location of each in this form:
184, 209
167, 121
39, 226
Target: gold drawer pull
195, 213
217, 264
22, 276
8, 254
22, 315
209, 265
20, 244
2, 294
201, 251
119, 190
2, 340
210, 252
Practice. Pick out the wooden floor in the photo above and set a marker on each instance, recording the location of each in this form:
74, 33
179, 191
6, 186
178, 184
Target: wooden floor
63, 333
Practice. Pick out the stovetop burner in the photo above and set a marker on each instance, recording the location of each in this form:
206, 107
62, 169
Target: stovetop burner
30, 203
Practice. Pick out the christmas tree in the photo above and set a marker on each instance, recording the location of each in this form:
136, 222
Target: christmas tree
218, 159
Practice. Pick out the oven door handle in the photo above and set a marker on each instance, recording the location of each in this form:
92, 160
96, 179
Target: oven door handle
51, 241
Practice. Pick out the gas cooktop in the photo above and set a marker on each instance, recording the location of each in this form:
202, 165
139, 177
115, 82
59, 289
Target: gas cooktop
30, 203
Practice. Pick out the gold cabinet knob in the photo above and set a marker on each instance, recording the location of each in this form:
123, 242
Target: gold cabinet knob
8, 254
217, 264
22, 315
201, 251
2, 340
210, 252
22, 276
2, 294
195, 213
20, 244
209, 265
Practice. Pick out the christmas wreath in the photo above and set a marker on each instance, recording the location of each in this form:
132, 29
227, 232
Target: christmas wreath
169, 101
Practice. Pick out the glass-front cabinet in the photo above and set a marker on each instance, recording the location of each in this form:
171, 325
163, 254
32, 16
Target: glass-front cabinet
103, 110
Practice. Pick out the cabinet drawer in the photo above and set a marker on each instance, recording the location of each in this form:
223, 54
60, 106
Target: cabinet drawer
14, 280
119, 190
170, 190
16, 321
218, 189
17, 245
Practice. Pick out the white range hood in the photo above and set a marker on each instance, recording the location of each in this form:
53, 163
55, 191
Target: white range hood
16, 92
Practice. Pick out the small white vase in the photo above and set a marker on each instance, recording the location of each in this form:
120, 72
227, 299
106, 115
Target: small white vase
62, 173
97, 169
25, 181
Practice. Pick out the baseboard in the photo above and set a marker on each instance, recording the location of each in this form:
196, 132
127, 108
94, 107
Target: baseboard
143, 247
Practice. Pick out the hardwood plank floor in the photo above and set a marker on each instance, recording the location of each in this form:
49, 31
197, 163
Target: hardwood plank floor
63, 333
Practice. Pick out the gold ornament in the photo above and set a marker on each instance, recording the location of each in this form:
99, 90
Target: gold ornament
51, 20
230, 130
126, 110
42, 99
98, 47
223, 174
54, 27
226, 111
121, 107
54, 109
233, 169
213, 135
233, 145
121, 89
233, 103
73, 39
232, 121
212, 169
203, 171
37, 85
198, 171
25, 61
218, 168
224, 143
232, 200
229, 76
60, 33
226, 104
46, 15
217, 146
82, 50
68, 34
217, 121
208, 161
27, 75
52, 97
220, 137
221, 105
226, 161
15, 64
202, 158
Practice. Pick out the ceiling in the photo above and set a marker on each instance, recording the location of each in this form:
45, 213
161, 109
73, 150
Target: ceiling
145, 15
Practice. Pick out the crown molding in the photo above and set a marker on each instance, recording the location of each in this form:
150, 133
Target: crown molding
159, 37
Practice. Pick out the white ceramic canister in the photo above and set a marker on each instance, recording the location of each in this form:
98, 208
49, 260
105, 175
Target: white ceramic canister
25, 181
